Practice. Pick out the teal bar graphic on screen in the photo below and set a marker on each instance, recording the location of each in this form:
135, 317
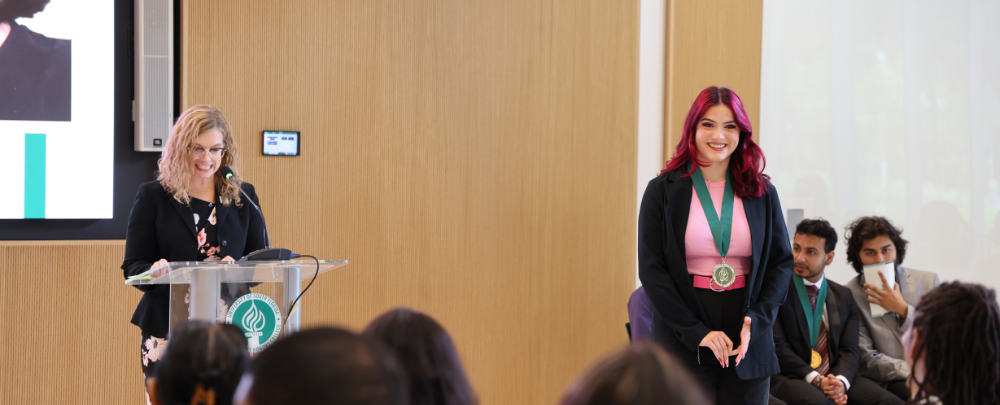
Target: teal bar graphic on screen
34, 175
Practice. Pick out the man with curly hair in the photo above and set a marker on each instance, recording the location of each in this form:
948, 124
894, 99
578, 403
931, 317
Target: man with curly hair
874, 240
34, 69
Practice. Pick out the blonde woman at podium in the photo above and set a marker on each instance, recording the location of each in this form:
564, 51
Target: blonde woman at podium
190, 213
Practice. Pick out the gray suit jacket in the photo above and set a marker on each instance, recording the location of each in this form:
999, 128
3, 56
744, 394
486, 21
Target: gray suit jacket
880, 338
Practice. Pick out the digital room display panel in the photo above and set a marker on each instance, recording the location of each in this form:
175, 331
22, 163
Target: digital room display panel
57, 110
282, 143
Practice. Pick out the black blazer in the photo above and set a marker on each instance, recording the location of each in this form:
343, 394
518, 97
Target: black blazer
160, 227
679, 320
791, 336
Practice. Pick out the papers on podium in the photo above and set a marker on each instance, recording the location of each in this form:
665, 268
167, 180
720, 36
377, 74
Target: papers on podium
871, 271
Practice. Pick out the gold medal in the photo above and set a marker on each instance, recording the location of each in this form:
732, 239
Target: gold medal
723, 275
816, 360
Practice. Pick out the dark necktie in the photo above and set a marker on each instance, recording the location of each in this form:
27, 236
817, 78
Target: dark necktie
820, 348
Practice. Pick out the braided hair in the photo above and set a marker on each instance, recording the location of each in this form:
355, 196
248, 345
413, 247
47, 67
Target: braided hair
203, 364
959, 344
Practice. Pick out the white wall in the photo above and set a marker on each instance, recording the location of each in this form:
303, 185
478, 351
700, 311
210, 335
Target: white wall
889, 108
652, 54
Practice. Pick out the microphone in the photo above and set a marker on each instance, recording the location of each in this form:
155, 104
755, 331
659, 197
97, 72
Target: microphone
267, 253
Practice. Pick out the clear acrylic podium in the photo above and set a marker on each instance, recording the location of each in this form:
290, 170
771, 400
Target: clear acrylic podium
253, 295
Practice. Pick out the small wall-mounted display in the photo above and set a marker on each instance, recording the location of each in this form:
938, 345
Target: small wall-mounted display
282, 143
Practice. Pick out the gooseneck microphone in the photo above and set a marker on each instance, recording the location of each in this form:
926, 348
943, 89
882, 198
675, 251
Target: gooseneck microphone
267, 253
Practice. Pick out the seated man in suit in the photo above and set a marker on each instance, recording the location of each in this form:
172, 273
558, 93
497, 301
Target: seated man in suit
816, 332
874, 240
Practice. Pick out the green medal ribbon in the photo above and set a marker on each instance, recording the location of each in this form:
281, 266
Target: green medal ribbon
814, 320
721, 228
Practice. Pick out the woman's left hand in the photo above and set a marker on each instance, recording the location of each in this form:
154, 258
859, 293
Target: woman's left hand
741, 351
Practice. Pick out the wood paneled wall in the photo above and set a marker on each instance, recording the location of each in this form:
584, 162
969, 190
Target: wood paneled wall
64, 331
710, 43
473, 160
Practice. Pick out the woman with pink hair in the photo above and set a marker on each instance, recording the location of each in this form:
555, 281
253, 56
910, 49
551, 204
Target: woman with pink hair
714, 257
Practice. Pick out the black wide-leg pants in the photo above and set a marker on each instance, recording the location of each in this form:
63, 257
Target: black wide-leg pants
723, 386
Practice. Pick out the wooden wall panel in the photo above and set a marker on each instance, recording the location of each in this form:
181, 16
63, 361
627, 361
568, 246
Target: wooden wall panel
64, 330
474, 160
710, 43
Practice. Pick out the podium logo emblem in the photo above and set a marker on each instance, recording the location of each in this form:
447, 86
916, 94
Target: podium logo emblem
259, 318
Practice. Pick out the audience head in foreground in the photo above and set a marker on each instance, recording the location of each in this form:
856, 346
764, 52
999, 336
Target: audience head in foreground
953, 346
427, 355
639, 374
203, 364
327, 366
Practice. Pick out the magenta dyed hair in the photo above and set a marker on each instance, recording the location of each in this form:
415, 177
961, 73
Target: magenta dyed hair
746, 165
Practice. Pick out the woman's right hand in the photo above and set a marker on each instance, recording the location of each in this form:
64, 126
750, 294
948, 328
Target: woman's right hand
720, 345
158, 264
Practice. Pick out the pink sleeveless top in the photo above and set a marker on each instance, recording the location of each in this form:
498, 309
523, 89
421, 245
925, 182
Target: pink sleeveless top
699, 247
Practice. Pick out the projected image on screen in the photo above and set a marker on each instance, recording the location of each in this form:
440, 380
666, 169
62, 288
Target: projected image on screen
34, 69
56, 108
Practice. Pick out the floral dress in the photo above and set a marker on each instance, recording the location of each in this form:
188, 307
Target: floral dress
208, 250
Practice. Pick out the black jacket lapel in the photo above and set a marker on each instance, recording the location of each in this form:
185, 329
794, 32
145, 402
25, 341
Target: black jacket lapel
221, 212
756, 212
836, 325
186, 214
800, 314
678, 192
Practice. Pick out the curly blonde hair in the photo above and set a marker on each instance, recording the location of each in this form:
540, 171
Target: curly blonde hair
174, 165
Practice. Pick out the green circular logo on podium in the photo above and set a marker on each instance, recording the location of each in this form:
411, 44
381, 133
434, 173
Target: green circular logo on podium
259, 318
